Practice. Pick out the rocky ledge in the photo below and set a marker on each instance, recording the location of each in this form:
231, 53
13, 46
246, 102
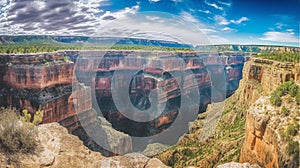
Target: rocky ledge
58, 149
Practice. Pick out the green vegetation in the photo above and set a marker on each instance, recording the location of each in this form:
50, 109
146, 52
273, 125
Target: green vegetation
39, 48
222, 147
297, 98
290, 88
35, 119
281, 56
293, 150
292, 129
28, 48
275, 99
285, 111
16, 136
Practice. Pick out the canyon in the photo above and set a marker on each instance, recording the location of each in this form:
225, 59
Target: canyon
82, 89
73, 88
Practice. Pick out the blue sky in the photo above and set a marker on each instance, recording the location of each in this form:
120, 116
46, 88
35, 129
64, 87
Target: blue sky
273, 22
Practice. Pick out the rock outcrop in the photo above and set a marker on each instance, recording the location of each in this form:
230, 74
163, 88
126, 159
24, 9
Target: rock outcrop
261, 76
44, 82
263, 143
244, 133
58, 149
266, 129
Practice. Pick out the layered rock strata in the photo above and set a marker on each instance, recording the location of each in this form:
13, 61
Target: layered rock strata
264, 142
153, 71
46, 82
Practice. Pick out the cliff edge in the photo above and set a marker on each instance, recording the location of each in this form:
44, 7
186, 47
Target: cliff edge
59, 149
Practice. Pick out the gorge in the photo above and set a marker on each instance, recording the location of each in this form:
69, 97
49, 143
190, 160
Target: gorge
77, 89
46, 82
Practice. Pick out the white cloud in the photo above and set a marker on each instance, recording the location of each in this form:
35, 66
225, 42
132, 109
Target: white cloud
154, 0
215, 39
188, 17
239, 21
223, 21
176, 1
64, 17
285, 37
214, 5
208, 30
204, 11
228, 29
171, 27
224, 3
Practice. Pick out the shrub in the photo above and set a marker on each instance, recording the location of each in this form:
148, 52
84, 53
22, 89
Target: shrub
285, 111
292, 130
275, 99
293, 149
298, 98
293, 89
15, 135
37, 117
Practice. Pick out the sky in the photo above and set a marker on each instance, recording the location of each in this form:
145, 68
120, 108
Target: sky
196, 22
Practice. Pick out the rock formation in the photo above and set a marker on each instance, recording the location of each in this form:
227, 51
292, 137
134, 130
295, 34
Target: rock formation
46, 82
58, 149
263, 142
250, 128
153, 71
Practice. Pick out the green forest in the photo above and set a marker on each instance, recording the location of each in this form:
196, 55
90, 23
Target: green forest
281, 56
25, 48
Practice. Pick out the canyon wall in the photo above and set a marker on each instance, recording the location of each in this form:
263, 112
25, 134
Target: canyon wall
153, 71
46, 82
250, 129
263, 143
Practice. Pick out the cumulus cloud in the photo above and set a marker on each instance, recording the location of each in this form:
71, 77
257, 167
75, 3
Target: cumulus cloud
64, 17
285, 37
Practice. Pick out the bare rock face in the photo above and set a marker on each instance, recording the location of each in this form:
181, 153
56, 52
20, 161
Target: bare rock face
262, 76
38, 71
264, 144
261, 141
58, 149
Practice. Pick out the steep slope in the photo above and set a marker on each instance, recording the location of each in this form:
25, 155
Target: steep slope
260, 77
